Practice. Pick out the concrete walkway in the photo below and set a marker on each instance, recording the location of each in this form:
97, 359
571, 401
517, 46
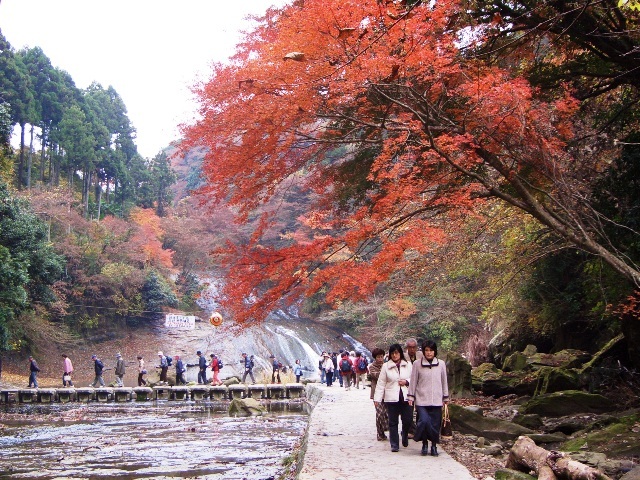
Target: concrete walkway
345, 422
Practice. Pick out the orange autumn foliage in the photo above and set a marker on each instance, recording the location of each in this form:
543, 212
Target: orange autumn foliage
394, 131
147, 239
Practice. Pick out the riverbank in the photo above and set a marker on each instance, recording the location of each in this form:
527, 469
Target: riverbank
344, 422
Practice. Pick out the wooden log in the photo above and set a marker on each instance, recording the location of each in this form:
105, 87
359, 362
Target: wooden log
525, 456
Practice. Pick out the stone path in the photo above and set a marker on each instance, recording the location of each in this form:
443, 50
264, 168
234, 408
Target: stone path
345, 422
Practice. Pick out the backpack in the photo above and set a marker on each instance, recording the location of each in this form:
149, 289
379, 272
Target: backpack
345, 366
220, 364
169, 360
362, 364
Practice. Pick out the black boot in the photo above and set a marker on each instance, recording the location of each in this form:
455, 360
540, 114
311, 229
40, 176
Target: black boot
405, 438
434, 450
425, 449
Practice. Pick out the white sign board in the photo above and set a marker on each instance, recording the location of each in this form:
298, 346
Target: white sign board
186, 322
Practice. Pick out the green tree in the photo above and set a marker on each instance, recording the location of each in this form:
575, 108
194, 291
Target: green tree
163, 177
28, 264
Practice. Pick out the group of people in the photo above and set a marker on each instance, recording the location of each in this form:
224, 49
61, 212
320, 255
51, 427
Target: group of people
347, 368
407, 380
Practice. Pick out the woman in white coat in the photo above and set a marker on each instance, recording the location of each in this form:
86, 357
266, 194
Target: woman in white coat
393, 389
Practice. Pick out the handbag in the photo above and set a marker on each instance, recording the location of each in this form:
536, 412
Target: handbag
144, 371
445, 430
66, 378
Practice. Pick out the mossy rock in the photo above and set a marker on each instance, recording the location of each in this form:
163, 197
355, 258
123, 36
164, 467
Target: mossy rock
568, 402
490, 380
458, 375
515, 362
508, 474
568, 358
554, 379
619, 439
231, 381
468, 422
531, 421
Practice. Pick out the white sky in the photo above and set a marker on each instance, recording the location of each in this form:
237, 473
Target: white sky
150, 51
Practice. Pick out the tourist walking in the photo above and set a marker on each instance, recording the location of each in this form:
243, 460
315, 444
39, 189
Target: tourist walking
392, 389
411, 354
98, 368
382, 417
428, 391
297, 370
248, 368
335, 358
164, 367
323, 374
346, 370
202, 368
119, 370
33, 372
180, 371
360, 366
276, 369
67, 370
352, 357
215, 368
141, 372
327, 365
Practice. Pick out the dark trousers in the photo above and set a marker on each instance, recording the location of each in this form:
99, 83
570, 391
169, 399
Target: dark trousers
180, 379
202, 375
141, 381
329, 376
33, 380
163, 374
429, 422
398, 410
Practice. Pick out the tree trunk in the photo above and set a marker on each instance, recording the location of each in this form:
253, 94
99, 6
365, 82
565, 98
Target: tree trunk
526, 455
98, 196
30, 159
21, 162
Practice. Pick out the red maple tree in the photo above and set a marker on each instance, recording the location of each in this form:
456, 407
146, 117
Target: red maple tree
376, 109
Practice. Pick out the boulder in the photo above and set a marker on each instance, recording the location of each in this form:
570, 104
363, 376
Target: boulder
569, 358
531, 421
231, 381
458, 375
245, 407
554, 379
546, 437
467, 422
530, 350
631, 475
508, 474
490, 380
515, 362
568, 402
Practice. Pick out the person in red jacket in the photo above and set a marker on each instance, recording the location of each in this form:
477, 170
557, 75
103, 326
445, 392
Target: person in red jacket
215, 368
345, 366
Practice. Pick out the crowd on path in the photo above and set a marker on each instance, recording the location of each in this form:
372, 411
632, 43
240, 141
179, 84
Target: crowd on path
408, 388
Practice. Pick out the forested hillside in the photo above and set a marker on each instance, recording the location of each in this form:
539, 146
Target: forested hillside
82, 239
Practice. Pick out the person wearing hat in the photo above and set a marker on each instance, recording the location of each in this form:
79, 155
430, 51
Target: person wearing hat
248, 368
180, 371
98, 367
119, 370
141, 372
164, 366
276, 369
202, 366
215, 369
327, 366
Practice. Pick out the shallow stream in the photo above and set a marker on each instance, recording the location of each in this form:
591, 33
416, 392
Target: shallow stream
149, 440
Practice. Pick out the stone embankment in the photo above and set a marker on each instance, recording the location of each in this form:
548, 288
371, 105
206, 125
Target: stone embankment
345, 422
